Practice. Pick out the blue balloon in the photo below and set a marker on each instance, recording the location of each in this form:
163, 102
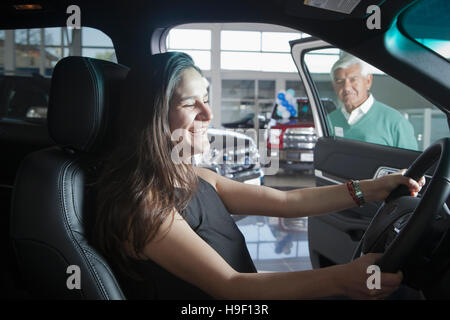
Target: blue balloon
284, 103
281, 96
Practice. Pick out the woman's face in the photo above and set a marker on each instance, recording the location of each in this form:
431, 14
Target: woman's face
189, 110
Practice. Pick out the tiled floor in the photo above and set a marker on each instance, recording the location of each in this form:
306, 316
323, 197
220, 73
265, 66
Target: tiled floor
273, 248
285, 180
276, 244
288, 264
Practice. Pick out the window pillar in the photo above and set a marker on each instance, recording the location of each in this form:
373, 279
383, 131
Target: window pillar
10, 52
216, 80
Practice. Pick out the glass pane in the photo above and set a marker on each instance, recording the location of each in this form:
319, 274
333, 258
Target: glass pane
372, 107
277, 62
278, 41
426, 23
429, 124
265, 110
240, 40
201, 58
28, 36
94, 37
53, 36
57, 53
103, 54
240, 61
238, 89
439, 126
297, 86
255, 61
320, 63
266, 89
235, 110
189, 39
67, 35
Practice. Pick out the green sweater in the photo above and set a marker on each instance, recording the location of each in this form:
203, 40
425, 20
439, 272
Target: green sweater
381, 125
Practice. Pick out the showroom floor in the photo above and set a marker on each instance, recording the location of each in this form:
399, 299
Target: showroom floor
279, 244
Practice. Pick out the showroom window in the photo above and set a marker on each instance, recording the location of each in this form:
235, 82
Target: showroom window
27, 59
196, 43
257, 51
240, 98
255, 56
96, 44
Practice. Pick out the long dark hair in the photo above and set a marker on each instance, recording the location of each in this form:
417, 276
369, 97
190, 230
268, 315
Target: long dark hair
139, 186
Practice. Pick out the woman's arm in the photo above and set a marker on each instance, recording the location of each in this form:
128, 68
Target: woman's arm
244, 199
178, 249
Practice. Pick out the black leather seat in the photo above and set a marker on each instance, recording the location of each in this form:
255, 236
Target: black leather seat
52, 196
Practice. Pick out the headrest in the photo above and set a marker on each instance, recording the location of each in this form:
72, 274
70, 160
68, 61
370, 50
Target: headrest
84, 99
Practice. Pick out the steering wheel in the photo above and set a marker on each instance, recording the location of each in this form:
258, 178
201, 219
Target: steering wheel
402, 220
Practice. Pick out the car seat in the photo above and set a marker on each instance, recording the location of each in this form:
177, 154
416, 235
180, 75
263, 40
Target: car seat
53, 196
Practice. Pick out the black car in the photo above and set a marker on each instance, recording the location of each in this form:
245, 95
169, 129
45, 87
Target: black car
43, 215
247, 122
24, 96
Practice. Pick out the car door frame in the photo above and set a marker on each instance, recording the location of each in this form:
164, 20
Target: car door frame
351, 222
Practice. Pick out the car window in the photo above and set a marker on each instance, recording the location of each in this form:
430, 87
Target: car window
252, 64
371, 106
25, 75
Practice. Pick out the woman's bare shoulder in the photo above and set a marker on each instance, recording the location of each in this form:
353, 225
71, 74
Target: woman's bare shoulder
207, 175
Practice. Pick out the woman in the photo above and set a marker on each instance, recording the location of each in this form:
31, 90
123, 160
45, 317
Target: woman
166, 225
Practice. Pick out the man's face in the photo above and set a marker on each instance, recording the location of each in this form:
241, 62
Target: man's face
351, 86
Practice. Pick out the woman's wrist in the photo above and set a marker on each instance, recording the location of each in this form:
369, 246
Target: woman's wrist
370, 190
337, 274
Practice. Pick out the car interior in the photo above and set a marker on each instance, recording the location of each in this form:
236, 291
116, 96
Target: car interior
48, 166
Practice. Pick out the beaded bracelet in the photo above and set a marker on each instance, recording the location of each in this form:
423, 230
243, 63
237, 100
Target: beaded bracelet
355, 192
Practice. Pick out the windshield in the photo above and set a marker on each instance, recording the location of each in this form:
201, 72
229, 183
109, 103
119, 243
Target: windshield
427, 22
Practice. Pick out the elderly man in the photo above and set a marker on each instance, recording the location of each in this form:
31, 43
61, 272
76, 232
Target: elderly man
360, 116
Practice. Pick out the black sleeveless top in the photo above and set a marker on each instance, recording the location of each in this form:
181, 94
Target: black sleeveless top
208, 217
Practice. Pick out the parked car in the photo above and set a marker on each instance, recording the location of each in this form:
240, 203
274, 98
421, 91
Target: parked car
292, 139
24, 96
234, 155
247, 122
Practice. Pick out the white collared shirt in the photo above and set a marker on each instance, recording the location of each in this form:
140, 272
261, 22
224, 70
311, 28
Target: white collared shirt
359, 112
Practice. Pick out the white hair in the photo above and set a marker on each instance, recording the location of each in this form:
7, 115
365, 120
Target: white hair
347, 60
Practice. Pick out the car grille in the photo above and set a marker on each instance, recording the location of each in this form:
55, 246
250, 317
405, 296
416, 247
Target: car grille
299, 138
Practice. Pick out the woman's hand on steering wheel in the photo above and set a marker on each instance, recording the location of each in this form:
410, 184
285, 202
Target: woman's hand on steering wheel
386, 184
353, 278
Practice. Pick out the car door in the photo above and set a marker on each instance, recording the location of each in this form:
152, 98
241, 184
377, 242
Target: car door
334, 237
